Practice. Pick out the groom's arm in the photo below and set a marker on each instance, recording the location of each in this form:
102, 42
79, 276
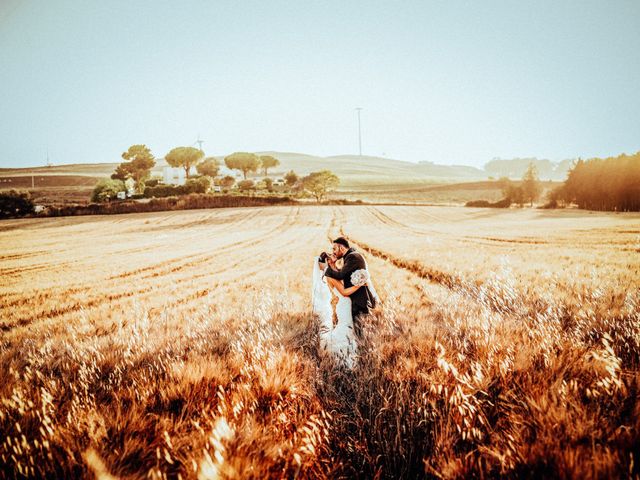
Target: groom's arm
346, 270
337, 274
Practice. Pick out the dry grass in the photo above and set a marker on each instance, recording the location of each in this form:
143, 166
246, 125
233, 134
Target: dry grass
181, 344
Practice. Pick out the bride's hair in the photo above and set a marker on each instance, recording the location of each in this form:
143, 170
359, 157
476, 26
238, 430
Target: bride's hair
323, 257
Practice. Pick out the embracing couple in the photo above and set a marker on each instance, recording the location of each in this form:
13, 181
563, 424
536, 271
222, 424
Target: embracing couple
351, 285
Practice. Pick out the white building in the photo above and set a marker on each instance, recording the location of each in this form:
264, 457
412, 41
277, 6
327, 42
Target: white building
176, 176
223, 171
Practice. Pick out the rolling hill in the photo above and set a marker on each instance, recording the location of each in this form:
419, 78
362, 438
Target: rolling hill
352, 169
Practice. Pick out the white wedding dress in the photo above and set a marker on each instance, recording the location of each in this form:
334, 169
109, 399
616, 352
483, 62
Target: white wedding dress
339, 341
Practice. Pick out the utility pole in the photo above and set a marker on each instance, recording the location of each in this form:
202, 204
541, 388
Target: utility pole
358, 109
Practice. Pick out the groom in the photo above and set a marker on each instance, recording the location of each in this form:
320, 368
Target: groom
361, 299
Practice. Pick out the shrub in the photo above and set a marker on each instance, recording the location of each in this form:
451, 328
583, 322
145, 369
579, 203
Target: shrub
161, 191
201, 184
107, 189
15, 204
227, 182
183, 202
195, 185
504, 203
246, 185
478, 203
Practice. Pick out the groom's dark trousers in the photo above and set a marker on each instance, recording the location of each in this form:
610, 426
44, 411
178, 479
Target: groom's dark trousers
361, 299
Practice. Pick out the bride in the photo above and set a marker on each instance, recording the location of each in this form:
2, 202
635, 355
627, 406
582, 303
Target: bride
340, 340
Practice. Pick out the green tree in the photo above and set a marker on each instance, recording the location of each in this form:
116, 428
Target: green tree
198, 185
138, 165
511, 191
243, 161
121, 173
267, 162
268, 184
227, 182
246, 185
291, 178
531, 188
107, 189
209, 167
320, 183
184, 157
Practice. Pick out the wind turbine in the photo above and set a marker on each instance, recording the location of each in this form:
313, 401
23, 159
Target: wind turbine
199, 142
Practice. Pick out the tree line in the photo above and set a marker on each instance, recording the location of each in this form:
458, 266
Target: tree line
135, 172
606, 184
139, 161
611, 184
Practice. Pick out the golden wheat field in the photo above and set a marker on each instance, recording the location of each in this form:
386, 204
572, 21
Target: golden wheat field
182, 345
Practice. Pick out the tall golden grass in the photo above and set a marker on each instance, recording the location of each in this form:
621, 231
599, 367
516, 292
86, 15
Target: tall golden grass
182, 345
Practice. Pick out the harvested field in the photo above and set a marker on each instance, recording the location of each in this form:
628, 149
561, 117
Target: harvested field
182, 343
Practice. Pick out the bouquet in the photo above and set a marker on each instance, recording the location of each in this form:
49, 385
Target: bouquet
359, 277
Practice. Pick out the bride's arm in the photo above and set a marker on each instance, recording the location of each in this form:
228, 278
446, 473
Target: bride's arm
348, 291
345, 292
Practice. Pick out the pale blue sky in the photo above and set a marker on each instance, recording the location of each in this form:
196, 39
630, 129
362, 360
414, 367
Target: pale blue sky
443, 81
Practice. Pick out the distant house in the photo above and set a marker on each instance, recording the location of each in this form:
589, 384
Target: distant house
223, 171
176, 176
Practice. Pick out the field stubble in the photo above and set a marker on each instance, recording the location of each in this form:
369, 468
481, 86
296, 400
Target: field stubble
152, 345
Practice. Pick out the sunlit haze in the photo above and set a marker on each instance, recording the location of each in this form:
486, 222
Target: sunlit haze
446, 82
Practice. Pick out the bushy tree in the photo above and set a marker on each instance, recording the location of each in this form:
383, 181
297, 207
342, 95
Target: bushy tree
246, 185
512, 192
209, 167
268, 184
184, 157
267, 162
15, 204
138, 165
107, 189
291, 178
243, 161
227, 182
121, 173
320, 183
204, 183
531, 188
